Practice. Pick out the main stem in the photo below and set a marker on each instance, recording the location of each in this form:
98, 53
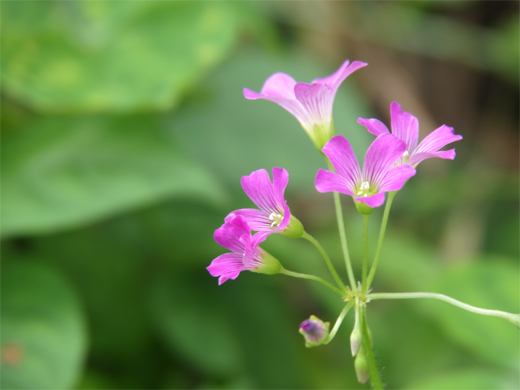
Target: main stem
365, 257
312, 277
513, 318
375, 379
342, 236
332, 270
381, 238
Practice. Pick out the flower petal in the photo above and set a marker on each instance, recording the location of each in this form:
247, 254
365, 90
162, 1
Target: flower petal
375, 200
279, 84
404, 126
316, 100
374, 126
228, 235
418, 157
380, 157
256, 219
396, 177
280, 180
259, 188
437, 139
335, 79
227, 266
342, 157
327, 181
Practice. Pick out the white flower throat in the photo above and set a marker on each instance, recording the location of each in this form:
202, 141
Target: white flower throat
276, 219
364, 189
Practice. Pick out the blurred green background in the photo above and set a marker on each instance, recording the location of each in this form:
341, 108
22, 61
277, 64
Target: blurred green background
124, 138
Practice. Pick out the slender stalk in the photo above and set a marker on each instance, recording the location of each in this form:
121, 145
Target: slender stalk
365, 257
339, 321
513, 318
381, 238
312, 277
342, 236
332, 270
375, 379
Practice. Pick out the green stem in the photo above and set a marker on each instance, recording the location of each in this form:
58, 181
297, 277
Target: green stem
375, 379
332, 270
339, 321
312, 277
513, 318
365, 256
342, 236
381, 238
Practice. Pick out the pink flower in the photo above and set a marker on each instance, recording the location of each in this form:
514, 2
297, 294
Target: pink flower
274, 215
406, 127
245, 255
379, 174
311, 104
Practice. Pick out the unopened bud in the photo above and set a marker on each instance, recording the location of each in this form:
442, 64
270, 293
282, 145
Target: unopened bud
356, 336
315, 331
361, 366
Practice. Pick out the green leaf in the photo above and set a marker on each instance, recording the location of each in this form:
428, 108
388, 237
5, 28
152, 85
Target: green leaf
490, 284
67, 172
43, 329
111, 56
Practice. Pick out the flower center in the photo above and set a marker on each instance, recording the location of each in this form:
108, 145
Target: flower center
406, 156
276, 219
364, 189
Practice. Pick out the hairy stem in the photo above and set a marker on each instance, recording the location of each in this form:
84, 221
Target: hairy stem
375, 379
513, 318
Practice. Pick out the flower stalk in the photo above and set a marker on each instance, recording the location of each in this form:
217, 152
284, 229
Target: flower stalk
313, 277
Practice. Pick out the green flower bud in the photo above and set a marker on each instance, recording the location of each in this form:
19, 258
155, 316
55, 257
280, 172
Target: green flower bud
356, 337
361, 366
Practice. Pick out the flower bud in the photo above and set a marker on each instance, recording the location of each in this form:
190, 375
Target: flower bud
355, 337
315, 331
361, 366
294, 228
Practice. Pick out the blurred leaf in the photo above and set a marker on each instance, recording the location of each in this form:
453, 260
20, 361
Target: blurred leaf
43, 329
242, 135
66, 172
466, 380
493, 284
111, 56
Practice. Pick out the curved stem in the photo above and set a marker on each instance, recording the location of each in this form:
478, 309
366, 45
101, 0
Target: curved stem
339, 321
342, 236
375, 379
513, 318
365, 256
332, 270
381, 238
312, 277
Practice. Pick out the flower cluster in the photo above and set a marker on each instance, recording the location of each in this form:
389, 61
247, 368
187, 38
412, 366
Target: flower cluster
389, 162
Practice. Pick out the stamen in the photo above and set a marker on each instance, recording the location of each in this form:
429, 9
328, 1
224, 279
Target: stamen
364, 188
276, 218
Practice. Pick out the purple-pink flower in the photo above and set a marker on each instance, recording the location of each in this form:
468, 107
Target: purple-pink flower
245, 255
311, 103
379, 174
315, 331
405, 126
273, 216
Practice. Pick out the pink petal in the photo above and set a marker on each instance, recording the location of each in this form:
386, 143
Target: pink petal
342, 157
396, 177
316, 100
380, 157
374, 126
228, 235
279, 84
280, 180
375, 200
418, 157
327, 181
256, 219
404, 126
437, 139
227, 266
335, 79
285, 221
259, 188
